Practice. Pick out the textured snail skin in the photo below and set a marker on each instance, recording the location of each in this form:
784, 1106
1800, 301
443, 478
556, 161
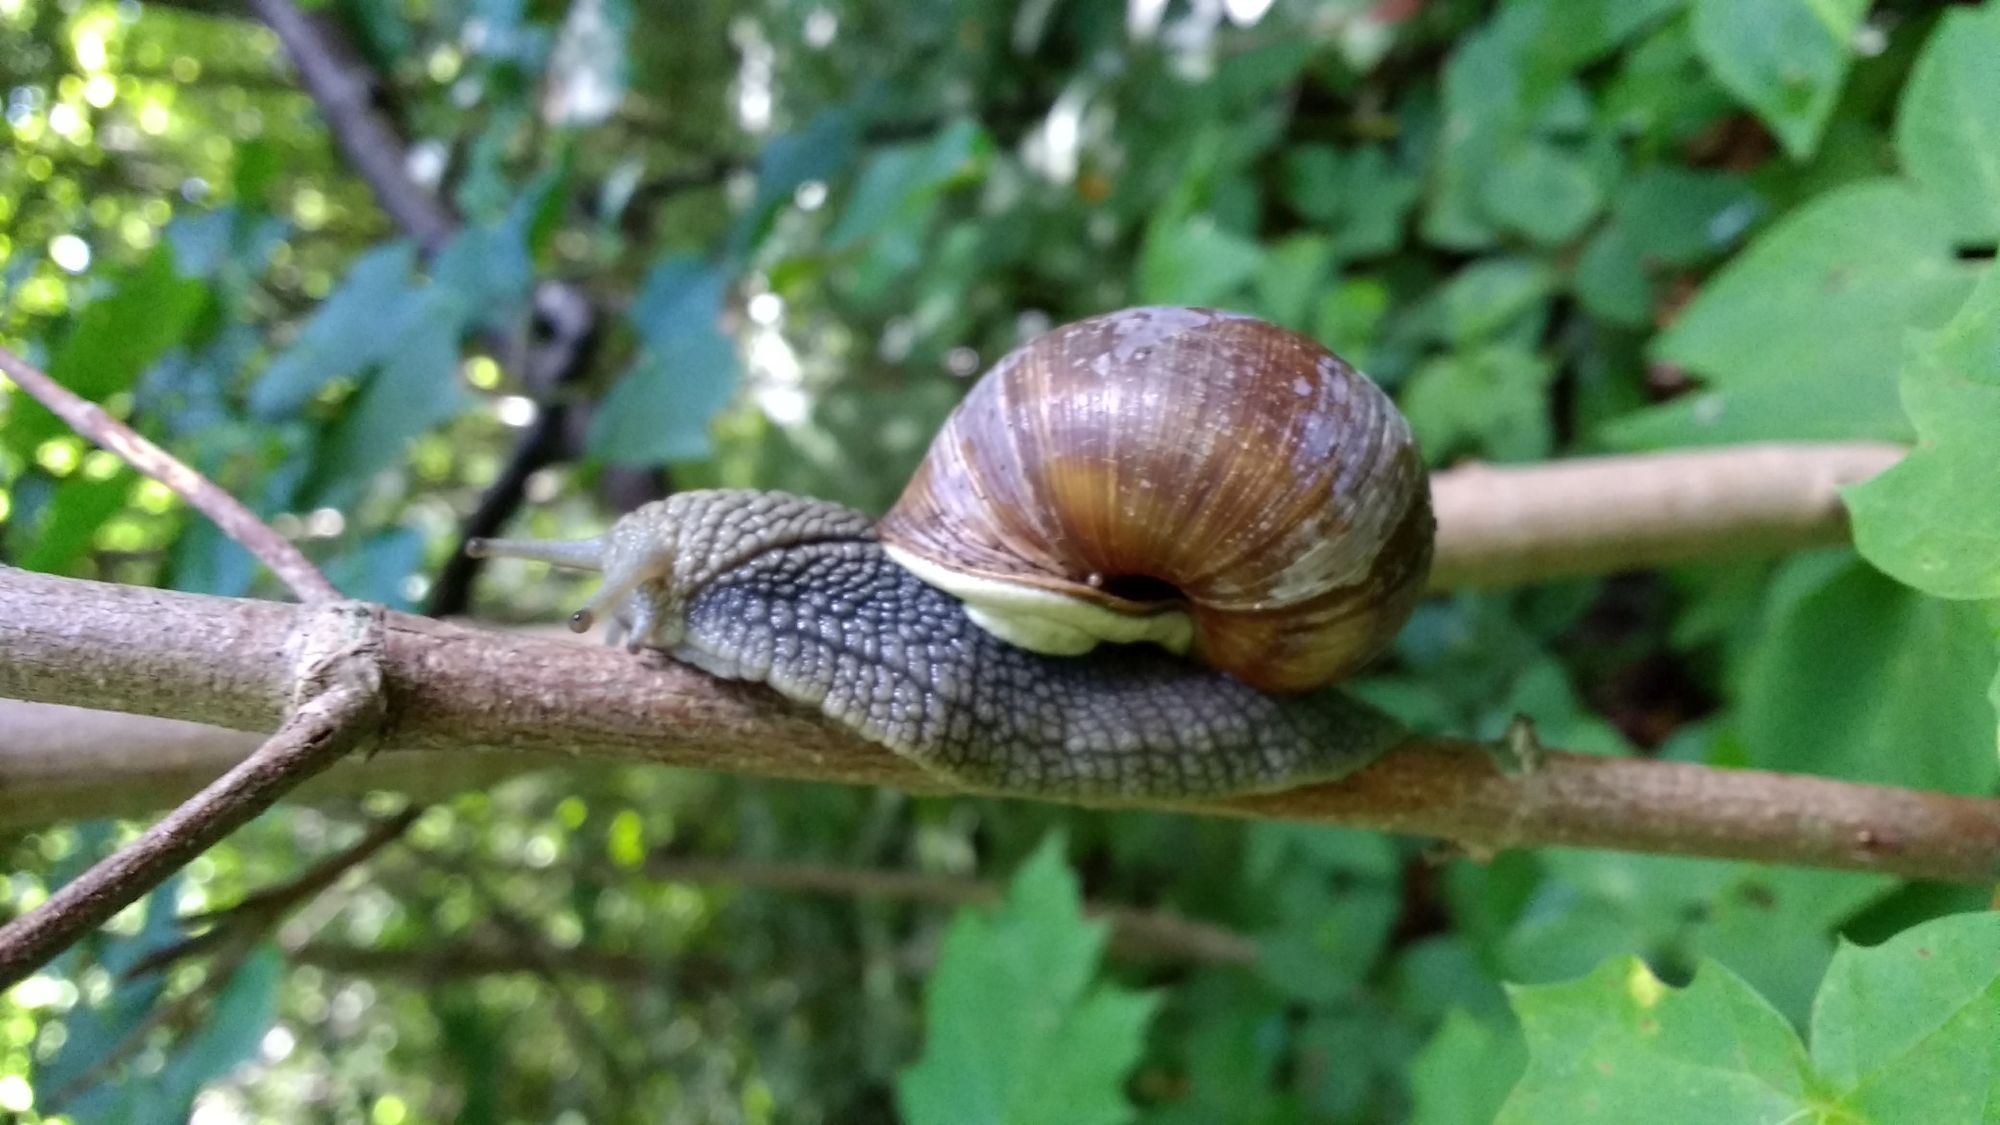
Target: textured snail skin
798, 594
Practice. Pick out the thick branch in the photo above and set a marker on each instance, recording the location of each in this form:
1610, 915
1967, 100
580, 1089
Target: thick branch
455, 689
202, 494
1503, 525
338, 685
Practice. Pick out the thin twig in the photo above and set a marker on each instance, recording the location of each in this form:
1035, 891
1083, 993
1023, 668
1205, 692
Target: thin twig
1135, 932
457, 689
339, 706
202, 494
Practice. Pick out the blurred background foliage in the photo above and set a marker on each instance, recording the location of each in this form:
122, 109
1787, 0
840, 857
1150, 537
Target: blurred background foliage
791, 231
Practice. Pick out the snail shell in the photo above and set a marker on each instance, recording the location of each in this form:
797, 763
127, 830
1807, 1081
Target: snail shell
1199, 479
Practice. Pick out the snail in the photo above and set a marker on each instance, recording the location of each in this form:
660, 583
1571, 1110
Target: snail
1235, 515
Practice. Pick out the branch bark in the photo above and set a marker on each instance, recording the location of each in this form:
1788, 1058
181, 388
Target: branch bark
338, 705
456, 689
1504, 525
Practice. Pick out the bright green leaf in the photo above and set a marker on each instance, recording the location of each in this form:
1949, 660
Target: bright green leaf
1620, 1046
1859, 677
1800, 335
897, 181
1785, 59
1909, 1030
1948, 125
1017, 1031
1933, 519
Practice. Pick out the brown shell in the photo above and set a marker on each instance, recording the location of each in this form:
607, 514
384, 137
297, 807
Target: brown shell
1195, 456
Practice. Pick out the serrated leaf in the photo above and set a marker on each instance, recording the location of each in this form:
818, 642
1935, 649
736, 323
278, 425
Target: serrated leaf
1906, 1031
1909, 1030
1948, 124
1017, 1031
1620, 1046
1800, 335
1933, 519
1785, 59
661, 408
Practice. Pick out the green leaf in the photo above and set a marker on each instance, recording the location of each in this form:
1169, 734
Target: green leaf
1682, 215
1361, 198
149, 310
417, 387
345, 335
662, 406
1785, 59
1799, 336
1948, 125
1906, 1031
1491, 402
1193, 261
1619, 1046
1861, 678
1490, 296
1463, 1074
1910, 1029
79, 507
897, 182
820, 151
1543, 192
244, 1010
1933, 520
1017, 1031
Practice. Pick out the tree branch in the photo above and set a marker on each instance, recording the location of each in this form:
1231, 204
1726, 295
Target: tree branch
338, 705
202, 494
456, 689
1504, 525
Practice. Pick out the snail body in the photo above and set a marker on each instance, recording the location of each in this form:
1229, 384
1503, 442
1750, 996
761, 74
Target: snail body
1224, 490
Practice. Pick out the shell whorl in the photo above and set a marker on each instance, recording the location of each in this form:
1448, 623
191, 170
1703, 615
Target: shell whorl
1163, 465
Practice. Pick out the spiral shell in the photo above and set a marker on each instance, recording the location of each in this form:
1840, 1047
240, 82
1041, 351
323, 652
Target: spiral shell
1200, 479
